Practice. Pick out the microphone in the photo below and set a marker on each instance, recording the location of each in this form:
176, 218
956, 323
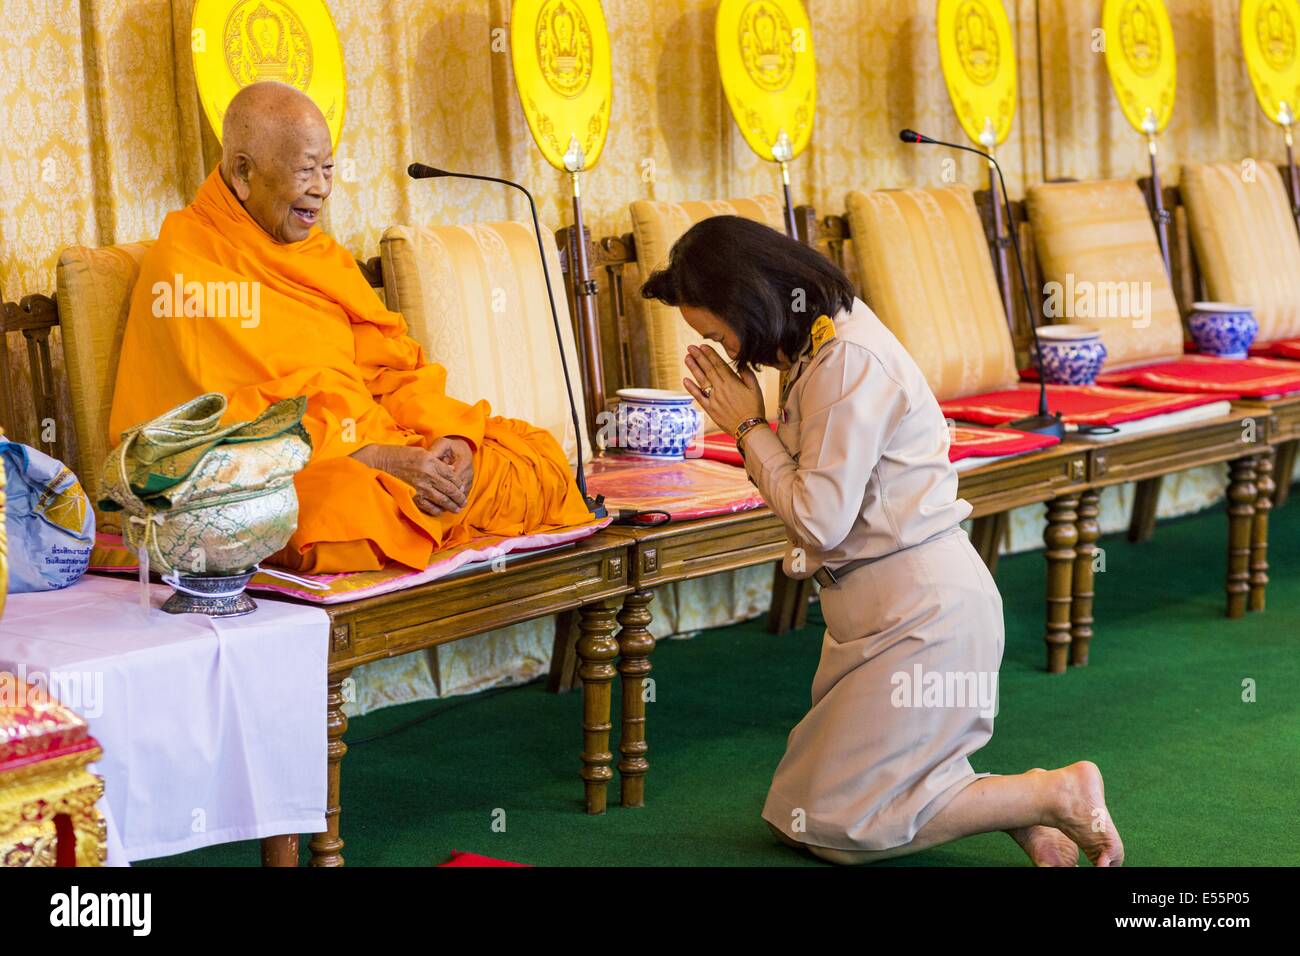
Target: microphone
420, 171
1044, 423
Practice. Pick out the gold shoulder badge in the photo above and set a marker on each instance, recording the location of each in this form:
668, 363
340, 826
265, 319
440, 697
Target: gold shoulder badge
823, 331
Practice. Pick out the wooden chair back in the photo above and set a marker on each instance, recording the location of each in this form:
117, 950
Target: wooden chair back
1184, 273
627, 364
29, 407
832, 235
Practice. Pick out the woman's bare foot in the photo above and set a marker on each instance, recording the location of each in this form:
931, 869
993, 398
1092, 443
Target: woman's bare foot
1045, 846
1077, 807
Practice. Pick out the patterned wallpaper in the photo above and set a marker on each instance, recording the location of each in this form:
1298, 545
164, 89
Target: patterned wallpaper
103, 133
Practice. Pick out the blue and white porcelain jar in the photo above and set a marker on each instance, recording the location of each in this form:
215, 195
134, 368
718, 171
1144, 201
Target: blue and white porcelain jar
1072, 354
655, 423
1222, 329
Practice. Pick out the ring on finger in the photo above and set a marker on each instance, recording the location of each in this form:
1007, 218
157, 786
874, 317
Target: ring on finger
707, 391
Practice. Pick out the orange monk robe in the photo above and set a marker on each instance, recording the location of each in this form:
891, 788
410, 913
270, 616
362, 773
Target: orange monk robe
302, 320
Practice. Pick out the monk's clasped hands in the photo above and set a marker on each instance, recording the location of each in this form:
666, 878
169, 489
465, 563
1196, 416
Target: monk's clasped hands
726, 397
441, 475
457, 453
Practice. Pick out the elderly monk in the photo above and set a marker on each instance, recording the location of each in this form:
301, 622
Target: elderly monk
244, 294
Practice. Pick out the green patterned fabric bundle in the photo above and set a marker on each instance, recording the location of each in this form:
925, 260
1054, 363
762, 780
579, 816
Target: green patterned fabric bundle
207, 499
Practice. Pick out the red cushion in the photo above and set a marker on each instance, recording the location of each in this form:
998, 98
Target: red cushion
1283, 349
684, 490
971, 442
1226, 378
473, 859
721, 446
967, 442
1078, 404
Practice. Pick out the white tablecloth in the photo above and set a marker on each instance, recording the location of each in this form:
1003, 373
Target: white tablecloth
212, 730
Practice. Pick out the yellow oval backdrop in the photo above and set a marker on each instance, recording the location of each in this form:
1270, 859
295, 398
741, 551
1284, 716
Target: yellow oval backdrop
978, 56
1270, 30
769, 72
560, 51
239, 42
1141, 60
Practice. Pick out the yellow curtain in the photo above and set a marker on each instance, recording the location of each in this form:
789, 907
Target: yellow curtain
104, 134
1216, 116
878, 72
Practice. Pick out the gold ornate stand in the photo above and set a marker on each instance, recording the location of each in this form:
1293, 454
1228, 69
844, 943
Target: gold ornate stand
48, 812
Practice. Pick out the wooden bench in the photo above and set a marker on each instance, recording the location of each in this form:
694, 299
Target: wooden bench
1189, 287
693, 549
586, 580
1143, 459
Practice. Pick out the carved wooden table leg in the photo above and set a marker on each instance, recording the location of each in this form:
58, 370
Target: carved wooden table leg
1286, 456
986, 535
326, 847
280, 850
802, 598
596, 652
790, 598
1242, 494
1146, 502
635, 644
1085, 556
564, 654
1061, 535
1259, 529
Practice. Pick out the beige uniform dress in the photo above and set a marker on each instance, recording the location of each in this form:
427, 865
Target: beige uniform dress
858, 469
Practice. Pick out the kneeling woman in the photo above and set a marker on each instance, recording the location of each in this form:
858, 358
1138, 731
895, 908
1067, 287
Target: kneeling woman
858, 471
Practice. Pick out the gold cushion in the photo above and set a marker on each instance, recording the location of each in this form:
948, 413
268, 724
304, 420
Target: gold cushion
1096, 242
1246, 242
656, 226
926, 271
474, 296
94, 296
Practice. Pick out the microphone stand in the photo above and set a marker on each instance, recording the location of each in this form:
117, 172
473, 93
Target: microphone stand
420, 171
1159, 214
1285, 119
783, 153
1043, 423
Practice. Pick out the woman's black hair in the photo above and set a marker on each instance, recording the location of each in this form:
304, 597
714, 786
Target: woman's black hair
766, 286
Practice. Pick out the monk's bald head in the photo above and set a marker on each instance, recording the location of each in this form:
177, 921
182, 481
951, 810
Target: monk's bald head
277, 158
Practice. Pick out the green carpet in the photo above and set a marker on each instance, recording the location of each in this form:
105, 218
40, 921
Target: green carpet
1195, 776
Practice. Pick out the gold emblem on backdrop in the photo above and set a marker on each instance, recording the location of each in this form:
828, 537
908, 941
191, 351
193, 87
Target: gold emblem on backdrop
1140, 37
978, 56
239, 42
265, 40
769, 73
564, 47
977, 42
1141, 61
561, 57
1268, 41
766, 45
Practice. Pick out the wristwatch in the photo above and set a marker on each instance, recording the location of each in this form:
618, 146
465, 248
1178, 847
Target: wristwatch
745, 427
